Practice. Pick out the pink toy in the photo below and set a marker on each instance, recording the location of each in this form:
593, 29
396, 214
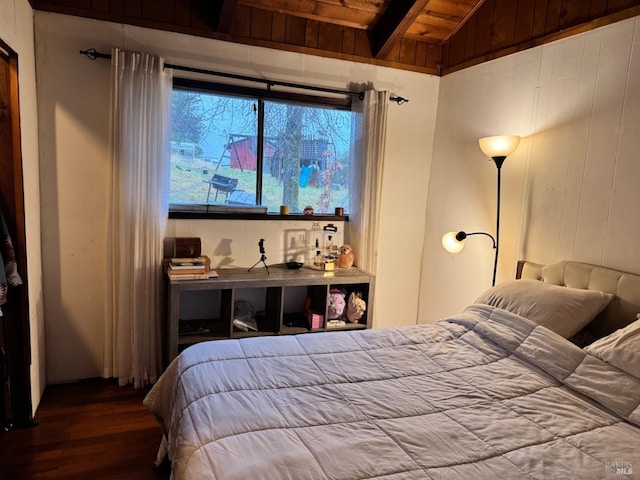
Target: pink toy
336, 304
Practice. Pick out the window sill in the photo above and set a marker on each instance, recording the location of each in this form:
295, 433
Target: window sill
202, 215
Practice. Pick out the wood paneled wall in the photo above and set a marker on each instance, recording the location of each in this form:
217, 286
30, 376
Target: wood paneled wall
501, 27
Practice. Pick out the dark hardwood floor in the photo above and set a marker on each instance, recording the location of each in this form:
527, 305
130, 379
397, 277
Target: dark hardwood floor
88, 430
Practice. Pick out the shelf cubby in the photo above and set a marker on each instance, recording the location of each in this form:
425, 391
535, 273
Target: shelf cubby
280, 301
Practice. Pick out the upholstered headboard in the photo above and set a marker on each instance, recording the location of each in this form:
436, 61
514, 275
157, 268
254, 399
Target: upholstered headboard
622, 310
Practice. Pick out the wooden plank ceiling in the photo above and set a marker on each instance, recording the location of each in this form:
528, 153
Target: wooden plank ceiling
429, 36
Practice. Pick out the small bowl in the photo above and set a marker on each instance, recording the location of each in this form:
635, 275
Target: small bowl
294, 265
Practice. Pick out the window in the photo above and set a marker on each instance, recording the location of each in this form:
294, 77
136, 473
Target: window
235, 149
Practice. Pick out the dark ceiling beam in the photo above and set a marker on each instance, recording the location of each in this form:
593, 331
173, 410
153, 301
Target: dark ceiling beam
227, 12
393, 23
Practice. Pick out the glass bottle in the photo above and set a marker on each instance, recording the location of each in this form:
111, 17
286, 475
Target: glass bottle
318, 261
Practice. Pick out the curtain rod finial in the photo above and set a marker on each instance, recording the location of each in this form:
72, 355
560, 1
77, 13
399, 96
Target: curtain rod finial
399, 100
93, 54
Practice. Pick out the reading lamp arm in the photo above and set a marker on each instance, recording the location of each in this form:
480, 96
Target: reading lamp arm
462, 235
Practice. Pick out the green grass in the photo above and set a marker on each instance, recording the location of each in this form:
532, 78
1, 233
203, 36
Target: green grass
188, 186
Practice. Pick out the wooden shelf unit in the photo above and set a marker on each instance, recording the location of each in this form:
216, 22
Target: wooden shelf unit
202, 310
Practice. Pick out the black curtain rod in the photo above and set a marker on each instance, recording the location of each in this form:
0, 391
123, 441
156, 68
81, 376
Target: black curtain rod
93, 54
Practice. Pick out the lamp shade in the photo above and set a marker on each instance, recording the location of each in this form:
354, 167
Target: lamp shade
499, 146
451, 244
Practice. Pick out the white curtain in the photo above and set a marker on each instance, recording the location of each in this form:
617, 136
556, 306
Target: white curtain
364, 217
139, 156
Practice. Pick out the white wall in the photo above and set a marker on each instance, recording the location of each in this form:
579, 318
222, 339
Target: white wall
16, 30
570, 191
234, 243
73, 101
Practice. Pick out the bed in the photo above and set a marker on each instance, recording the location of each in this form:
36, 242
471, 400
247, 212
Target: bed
495, 392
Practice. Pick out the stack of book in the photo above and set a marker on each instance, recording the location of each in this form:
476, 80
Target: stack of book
196, 268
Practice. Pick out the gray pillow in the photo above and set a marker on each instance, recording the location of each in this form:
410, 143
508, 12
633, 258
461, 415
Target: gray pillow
561, 309
620, 349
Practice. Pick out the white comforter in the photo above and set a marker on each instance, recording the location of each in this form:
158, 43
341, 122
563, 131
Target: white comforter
482, 395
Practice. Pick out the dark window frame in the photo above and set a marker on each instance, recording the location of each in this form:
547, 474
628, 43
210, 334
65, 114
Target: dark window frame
261, 96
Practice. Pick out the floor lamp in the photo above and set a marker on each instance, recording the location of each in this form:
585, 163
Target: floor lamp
497, 148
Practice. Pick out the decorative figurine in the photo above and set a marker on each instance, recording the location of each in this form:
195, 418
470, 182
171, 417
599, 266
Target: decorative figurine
345, 259
356, 307
308, 210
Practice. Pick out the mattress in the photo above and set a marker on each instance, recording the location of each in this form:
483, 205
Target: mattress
484, 394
